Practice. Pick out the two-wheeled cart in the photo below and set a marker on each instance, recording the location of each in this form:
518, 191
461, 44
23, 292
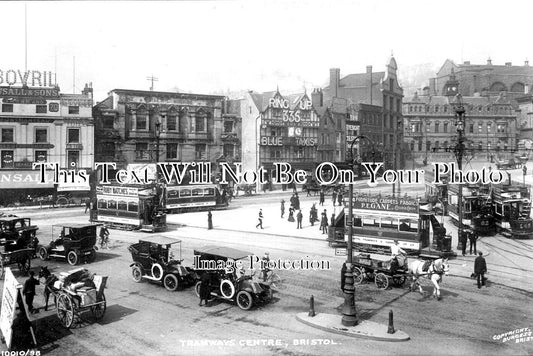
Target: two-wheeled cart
378, 269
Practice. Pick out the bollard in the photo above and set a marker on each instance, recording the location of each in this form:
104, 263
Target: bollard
391, 324
312, 306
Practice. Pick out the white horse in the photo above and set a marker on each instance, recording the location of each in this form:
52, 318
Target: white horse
435, 271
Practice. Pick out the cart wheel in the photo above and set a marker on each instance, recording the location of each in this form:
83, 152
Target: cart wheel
72, 258
381, 280
65, 310
25, 266
43, 253
244, 300
398, 281
98, 310
62, 202
170, 282
357, 275
136, 273
2, 268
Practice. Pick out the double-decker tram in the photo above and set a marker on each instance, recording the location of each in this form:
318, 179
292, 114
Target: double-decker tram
378, 221
194, 197
474, 199
130, 207
512, 210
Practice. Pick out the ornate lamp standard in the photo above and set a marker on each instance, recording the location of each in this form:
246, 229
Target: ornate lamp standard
349, 314
458, 151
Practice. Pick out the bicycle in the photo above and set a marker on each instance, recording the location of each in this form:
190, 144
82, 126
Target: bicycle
275, 281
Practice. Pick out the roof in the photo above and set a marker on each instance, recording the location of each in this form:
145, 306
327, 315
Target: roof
223, 252
77, 226
169, 93
11, 218
160, 240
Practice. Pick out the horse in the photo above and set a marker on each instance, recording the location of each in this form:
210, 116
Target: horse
50, 279
434, 271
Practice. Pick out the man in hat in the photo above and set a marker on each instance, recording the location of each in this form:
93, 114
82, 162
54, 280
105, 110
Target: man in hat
480, 268
260, 218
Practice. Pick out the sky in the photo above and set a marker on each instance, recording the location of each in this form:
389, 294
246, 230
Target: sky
212, 47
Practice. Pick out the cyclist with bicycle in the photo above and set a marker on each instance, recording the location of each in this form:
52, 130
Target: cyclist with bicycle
264, 266
104, 237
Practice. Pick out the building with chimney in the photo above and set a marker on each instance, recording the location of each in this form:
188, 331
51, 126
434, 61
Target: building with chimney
484, 79
144, 127
381, 96
40, 124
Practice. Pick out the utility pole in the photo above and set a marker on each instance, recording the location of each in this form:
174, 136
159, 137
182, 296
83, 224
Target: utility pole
152, 79
459, 154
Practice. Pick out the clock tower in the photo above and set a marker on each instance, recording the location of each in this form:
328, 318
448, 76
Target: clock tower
451, 88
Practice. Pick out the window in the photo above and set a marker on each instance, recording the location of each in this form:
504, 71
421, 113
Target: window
229, 150
41, 109
501, 128
73, 158
133, 207
172, 150
428, 127
480, 127
489, 127
141, 151
73, 109
471, 128
171, 123
6, 159
41, 156
428, 145
228, 126
200, 123
7, 135
420, 145
107, 122
412, 146
142, 121
73, 136
445, 127
7, 107
445, 108
437, 145
108, 149
275, 153
437, 127
200, 152
299, 152
41, 135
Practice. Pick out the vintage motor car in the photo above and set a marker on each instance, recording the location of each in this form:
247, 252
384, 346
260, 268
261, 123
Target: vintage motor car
17, 233
225, 283
73, 243
153, 260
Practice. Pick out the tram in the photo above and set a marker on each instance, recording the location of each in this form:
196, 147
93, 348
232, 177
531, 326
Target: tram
474, 198
378, 221
130, 207
511, 210
194, 197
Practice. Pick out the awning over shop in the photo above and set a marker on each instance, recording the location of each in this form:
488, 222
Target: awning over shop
24, 180
79, 187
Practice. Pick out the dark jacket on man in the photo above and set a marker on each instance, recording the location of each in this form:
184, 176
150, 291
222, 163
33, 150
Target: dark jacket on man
480, 266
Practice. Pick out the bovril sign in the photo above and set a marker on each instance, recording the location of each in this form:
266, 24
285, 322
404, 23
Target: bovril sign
33, 78
278, 141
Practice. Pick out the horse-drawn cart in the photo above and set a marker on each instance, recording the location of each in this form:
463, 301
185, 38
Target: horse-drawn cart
75, 292
379, 269
21, 257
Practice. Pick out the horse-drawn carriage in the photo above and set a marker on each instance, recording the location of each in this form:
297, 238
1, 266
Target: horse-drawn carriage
380, 269
75, 292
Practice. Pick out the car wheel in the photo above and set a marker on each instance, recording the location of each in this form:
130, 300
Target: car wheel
244, 300
136, 273
197, 288
72, 258
43, 253
227, 289
170, 282
157, 271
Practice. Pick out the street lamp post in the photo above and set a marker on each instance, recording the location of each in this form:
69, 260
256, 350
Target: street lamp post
349, 317
459, 154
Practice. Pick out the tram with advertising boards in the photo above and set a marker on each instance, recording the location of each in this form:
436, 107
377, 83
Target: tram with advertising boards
379, 220
130, 207
512, 210
181, 198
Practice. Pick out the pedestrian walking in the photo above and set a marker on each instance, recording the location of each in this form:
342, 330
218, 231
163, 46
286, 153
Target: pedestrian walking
312, 217
297, 202
321, 201
282, 208
209, 220
334, 197
463, 239
324, 223
473, 238
480, 268
260, 218
291, 214
87, 205
205, 288
340, 199
332, 220
29, 290
104, 237
299, 218
293, 201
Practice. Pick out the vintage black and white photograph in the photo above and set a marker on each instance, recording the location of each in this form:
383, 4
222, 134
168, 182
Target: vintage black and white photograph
253, 177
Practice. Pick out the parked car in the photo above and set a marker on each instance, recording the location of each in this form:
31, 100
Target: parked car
225, 283
153, 260
73, 243
17, 233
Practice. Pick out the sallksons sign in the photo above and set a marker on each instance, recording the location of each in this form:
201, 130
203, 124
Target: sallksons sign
31, 78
